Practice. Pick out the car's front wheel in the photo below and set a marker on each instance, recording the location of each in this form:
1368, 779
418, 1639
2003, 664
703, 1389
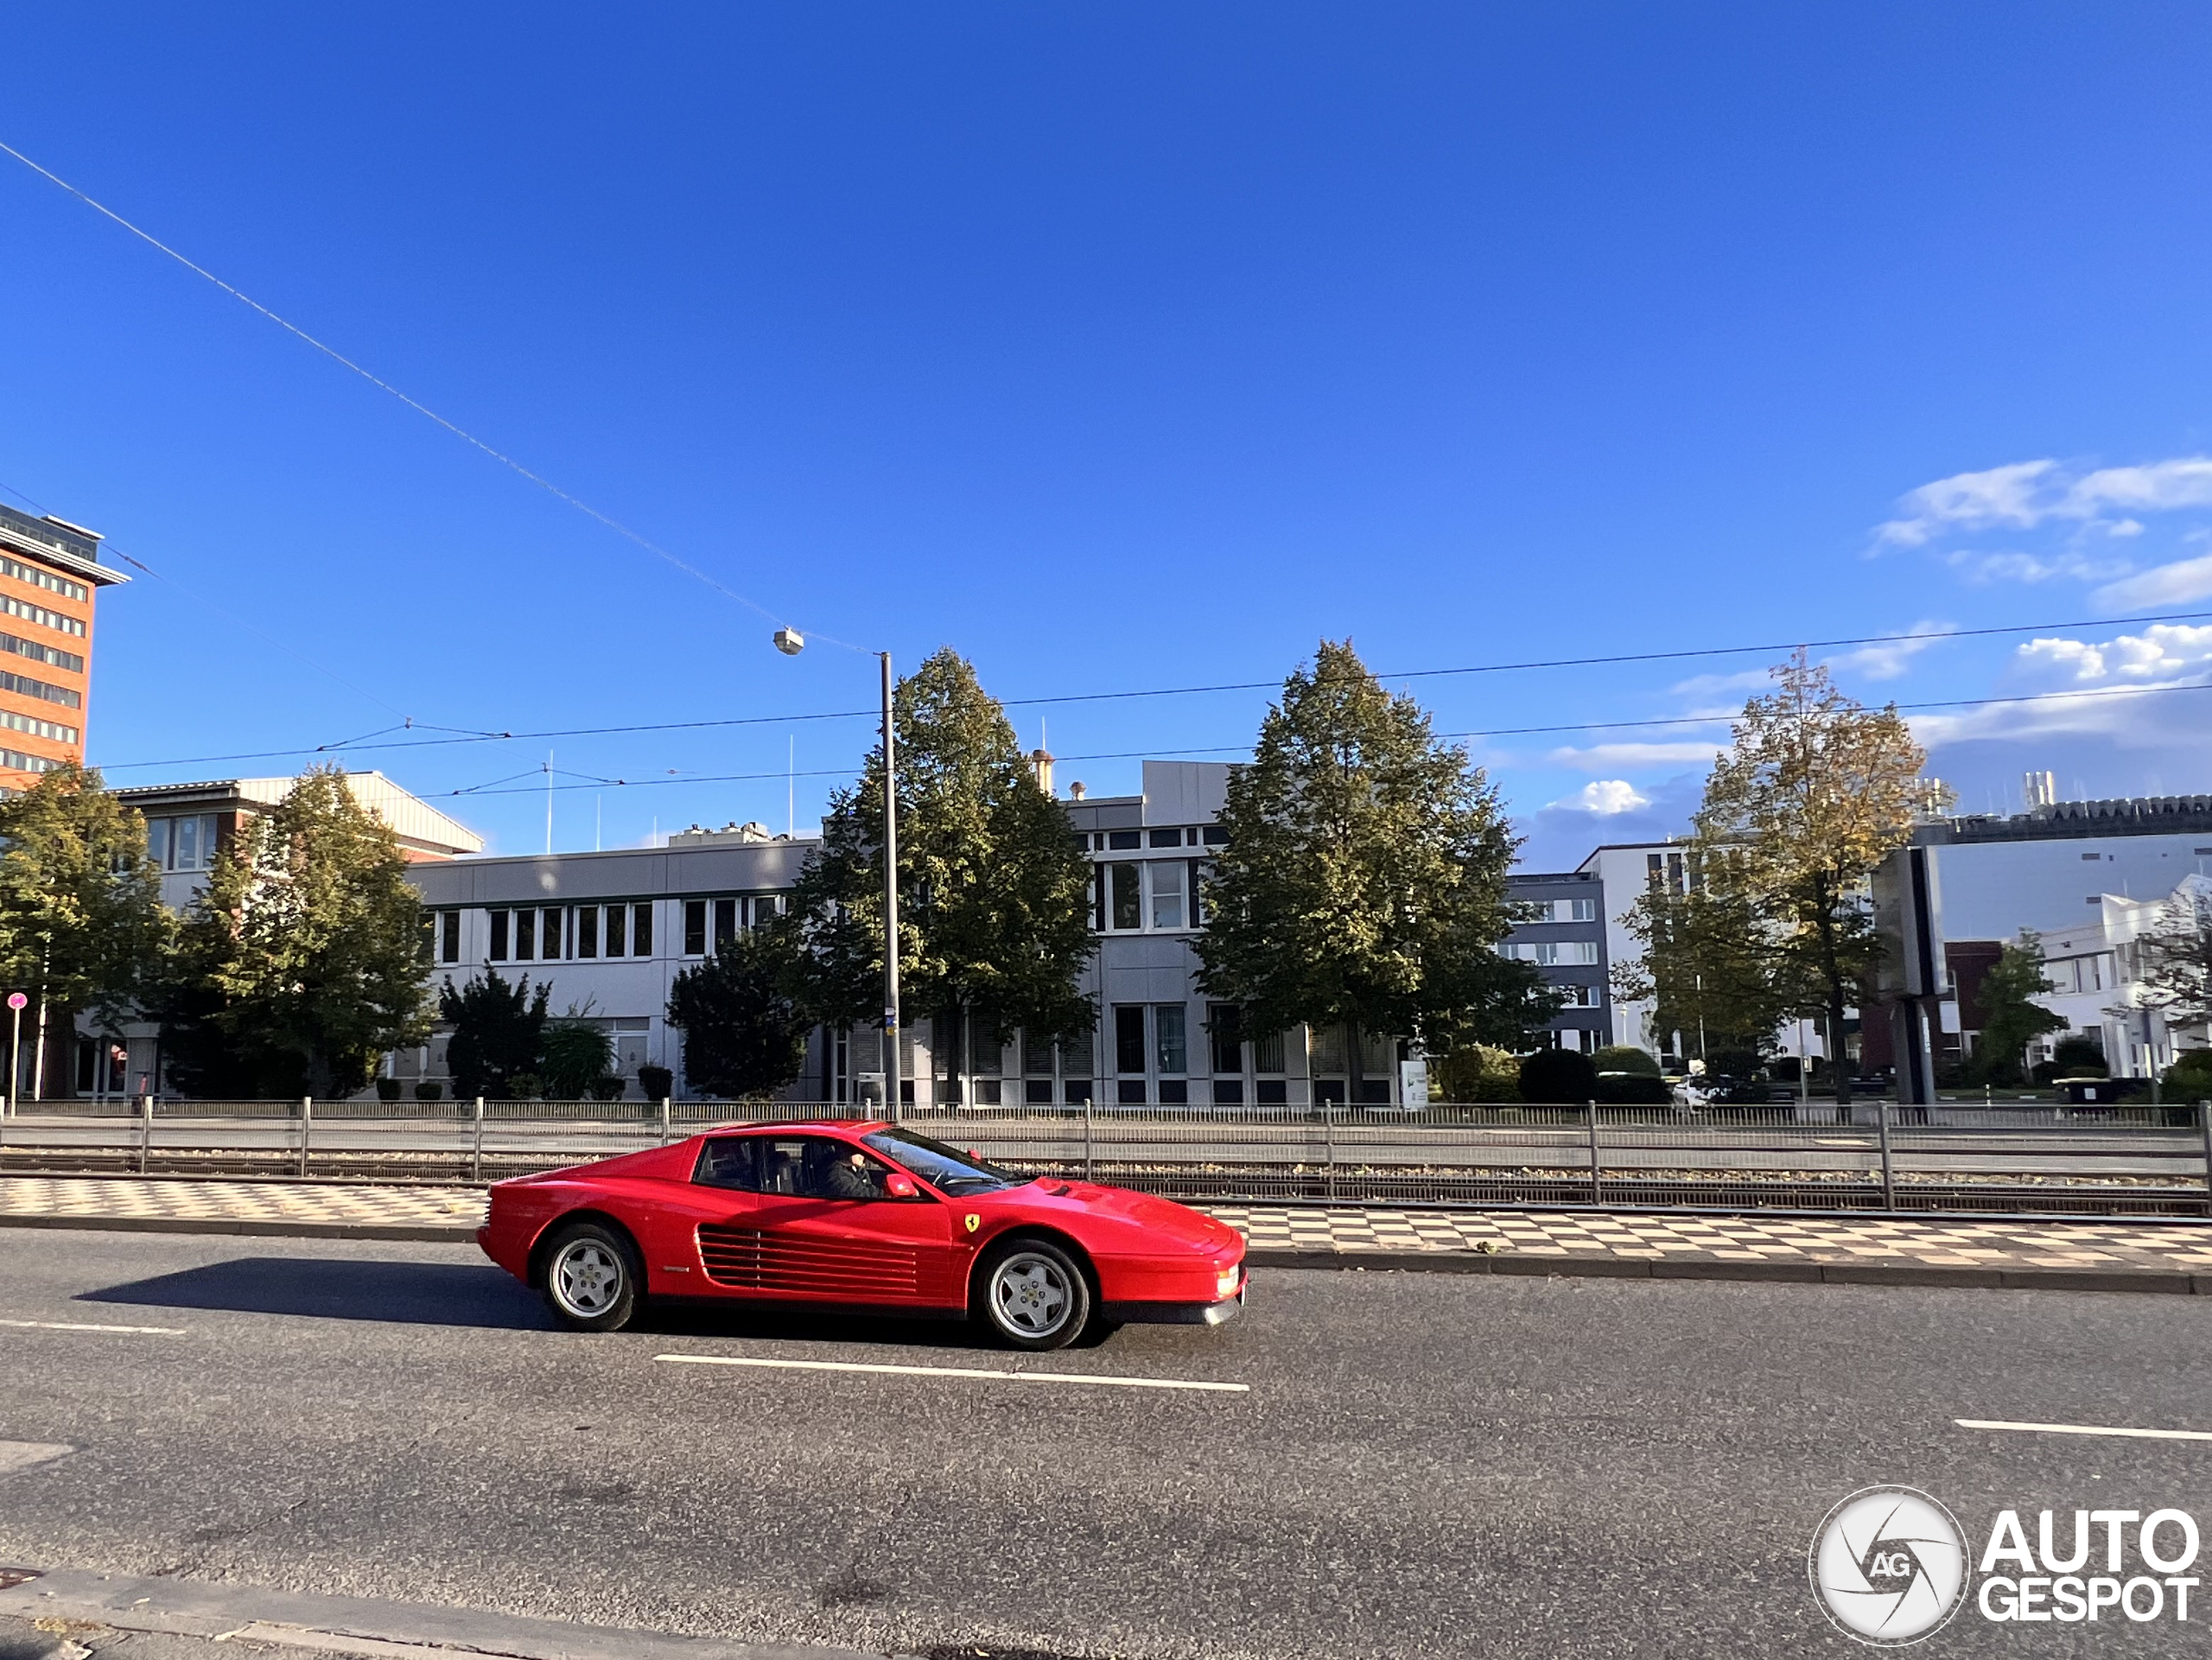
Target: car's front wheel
1035, 1295
592, 1278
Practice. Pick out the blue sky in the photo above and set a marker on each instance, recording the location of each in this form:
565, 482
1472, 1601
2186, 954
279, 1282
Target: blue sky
1119, 348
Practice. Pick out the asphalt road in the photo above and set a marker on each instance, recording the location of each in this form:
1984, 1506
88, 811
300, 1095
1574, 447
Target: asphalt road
1422, 1465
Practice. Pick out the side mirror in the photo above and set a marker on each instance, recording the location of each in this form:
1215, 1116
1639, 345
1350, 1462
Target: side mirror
898, 1186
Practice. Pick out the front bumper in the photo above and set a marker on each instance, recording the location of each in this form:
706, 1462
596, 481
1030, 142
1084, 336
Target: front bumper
1178, 1313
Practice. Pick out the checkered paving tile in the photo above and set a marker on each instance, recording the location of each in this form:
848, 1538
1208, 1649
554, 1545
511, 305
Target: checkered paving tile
1349, 1230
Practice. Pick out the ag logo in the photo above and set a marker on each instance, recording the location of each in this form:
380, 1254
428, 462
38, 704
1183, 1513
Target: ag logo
974, 1223
1889, 1565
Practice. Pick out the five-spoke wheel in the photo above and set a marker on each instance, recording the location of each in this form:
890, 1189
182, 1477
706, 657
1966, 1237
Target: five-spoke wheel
1035, 1295
591, 1278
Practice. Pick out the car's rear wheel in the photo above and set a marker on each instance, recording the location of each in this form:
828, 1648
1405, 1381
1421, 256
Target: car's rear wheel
1035, 1295
591, 1279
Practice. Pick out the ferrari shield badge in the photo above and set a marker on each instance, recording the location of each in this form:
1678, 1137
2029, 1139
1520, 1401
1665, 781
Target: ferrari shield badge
974, 1223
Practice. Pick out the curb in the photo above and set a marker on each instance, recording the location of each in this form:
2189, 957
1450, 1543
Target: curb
219, 1612
2170, 1283
2163, 1281
418, 1232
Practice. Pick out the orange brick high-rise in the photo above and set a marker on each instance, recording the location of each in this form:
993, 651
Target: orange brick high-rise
50, 574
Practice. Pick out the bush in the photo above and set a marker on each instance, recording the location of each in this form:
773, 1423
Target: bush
430, 1089
1633, 1088
2079, 1057
1557, 1075
608, 1088
387, 1089
525, 1086
1475, 1073
1624, 1057
2189, 1078
657, 1082
575, 1053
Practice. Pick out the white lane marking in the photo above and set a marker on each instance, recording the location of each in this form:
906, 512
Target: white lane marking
2088, 1430
961, 1371
67, 1326
21, 1455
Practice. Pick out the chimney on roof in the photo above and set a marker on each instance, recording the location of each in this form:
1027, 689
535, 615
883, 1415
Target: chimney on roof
2038, 789
1042, 760
1075, 791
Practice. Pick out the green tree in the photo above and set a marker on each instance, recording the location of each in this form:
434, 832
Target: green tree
994, 894
81, 922
1813, 792
304, 958
743, 1036
1364, 881
577, 1055
2174, 960
498, 1032
2010, 1017
1708, 964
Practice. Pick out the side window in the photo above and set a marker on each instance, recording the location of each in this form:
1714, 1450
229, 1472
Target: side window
1127, 909
819, 1167
695, 927
729, 1161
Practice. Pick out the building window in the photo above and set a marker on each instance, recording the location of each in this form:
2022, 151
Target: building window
1580, 996
1168, 879
1128, 1038
549, 935
617, 916
1170, 1045
1556, 953
1124, 899
1581, 910
1167, 838
725, 922
1225, 1037
187, 844
30, 688
1535, 910
52, 731
525, 935
38, 614
1214, 835
586, 932
52, 655
449, 936
1121, 841
641, 930
498, 953
695, 927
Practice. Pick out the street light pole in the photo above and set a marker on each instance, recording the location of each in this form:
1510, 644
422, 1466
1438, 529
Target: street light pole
791, 642
891, 1082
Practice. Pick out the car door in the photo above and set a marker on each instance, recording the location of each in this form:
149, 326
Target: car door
826, 1229
697, 1248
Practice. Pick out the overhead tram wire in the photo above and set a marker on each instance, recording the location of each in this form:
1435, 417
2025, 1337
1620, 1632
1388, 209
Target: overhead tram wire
423, 409
592, 782
1686, 654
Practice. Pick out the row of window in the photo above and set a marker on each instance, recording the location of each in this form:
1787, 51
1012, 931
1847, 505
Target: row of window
1155, 894
549, 933
1558, 910
26, 687
1211, 836
1553, 953
22, 763
52, 655
38, 614
52, 731
45, 579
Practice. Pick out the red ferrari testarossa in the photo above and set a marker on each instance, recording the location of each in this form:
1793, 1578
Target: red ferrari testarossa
864, 1217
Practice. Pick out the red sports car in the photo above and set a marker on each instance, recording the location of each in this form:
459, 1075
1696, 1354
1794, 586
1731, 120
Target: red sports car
866, 1216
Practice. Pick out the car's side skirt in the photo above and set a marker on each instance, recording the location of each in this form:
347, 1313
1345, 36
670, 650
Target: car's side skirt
806, 1306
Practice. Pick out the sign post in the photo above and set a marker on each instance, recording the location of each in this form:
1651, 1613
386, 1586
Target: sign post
16, 1004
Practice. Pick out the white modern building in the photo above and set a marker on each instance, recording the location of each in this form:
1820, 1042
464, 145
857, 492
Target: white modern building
2096, 965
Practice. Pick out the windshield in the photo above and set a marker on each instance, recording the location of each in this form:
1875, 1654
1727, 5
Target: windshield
943, 1167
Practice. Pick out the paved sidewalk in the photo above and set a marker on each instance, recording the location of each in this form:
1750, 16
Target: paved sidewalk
2117, 1255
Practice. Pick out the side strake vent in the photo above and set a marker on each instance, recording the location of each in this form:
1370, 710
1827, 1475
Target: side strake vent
760, 1259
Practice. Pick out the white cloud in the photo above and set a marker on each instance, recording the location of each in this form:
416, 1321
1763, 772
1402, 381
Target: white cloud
2174, 584
1982, 569
1601, 757
2163, 652
1887, 661
1705, 685
2025, 494
2001, 495
1604, 797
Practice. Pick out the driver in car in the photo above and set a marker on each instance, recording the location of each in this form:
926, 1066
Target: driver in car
853, 1178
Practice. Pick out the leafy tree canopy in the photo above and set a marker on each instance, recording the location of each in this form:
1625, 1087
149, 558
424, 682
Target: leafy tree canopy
2010, 1018
81, 921
303, 959
743, 1036
993, 894
498, 1032
1364, 881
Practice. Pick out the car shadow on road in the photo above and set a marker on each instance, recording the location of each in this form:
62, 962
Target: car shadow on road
413, 1293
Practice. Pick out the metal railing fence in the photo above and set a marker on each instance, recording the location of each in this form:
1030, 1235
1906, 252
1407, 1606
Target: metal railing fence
2005, 1158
